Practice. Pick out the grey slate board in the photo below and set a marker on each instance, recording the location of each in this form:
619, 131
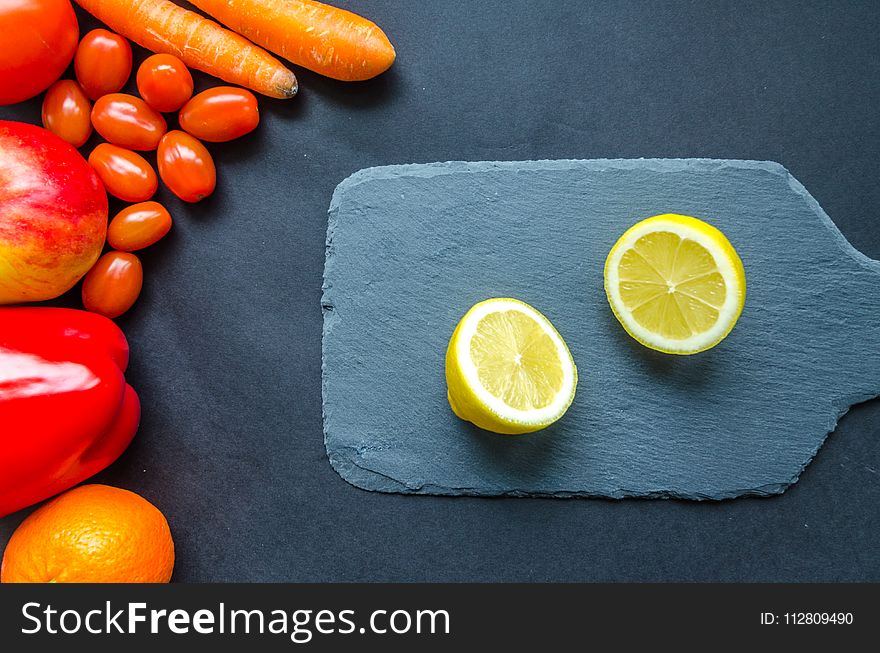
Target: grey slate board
410, 248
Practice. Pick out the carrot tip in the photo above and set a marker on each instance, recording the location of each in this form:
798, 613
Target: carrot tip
286, 83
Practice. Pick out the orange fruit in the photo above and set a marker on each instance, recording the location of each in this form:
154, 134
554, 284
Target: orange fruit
91, 534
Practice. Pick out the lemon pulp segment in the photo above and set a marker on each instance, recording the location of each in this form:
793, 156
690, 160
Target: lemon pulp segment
516, 361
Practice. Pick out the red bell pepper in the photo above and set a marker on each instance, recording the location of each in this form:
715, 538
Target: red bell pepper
66, 411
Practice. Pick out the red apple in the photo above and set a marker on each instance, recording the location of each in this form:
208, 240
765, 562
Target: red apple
53, 214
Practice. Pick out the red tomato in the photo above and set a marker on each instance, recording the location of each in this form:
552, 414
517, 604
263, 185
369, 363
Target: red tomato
127, 121
125, 174
138, 226
66, 112
186, 166
102, 63
164, 82
37, 42
113, 284
220, 114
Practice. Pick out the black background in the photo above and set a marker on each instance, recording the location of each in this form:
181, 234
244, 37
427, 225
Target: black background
226, 336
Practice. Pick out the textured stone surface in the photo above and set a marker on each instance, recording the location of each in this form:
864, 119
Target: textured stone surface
411, 248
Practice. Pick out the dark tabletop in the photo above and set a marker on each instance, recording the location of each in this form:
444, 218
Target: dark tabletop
226, 337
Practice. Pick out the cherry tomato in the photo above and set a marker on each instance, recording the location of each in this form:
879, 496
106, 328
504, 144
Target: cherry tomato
138, 226
164, 82
128, 121
125, 174
102, 63
186, 166
113, 284
66, 112
37, 42
220, 114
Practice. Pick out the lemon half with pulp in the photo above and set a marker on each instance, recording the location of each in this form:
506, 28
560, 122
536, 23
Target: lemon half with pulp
675, 283
507, 369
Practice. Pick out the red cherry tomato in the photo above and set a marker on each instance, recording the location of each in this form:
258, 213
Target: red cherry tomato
125, 174
37, 42
186, 166
220, 114
113, 284
102, 63
127, 121
67, 112
164, 82
138, 226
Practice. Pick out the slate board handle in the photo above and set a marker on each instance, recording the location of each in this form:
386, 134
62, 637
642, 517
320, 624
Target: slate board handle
853, 324
863, 321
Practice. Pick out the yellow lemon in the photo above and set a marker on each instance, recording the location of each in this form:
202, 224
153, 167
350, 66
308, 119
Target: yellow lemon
507, 369
675, 283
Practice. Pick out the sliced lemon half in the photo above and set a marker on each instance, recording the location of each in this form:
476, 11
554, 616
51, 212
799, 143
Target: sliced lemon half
675, 283
507, 369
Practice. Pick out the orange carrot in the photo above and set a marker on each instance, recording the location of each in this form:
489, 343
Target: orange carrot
162, 26
325, 39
